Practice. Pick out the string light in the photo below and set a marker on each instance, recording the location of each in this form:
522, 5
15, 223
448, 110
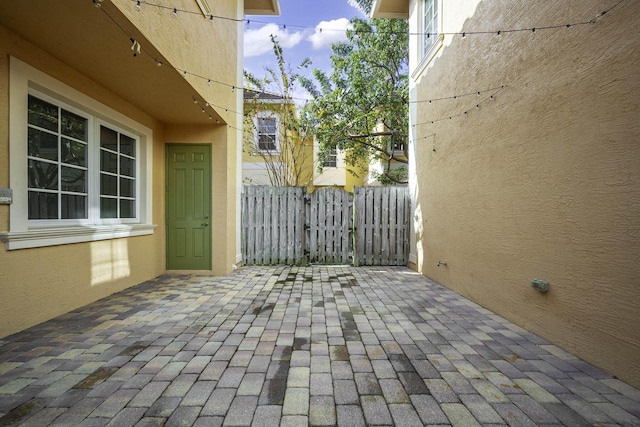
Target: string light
138, 5
428, 35
464, 113
456, 96
135, 47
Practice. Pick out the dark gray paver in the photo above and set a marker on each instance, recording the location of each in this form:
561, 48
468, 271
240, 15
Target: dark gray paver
298, 346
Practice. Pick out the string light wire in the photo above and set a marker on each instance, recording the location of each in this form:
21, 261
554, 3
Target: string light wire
285, 26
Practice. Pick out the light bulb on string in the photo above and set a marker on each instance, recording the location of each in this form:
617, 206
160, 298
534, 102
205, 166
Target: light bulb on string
138, 5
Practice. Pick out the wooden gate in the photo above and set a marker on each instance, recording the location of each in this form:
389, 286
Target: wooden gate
284, 225
330, 222
382, 226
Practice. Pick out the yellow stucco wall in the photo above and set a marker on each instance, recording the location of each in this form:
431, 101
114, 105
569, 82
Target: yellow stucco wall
541, 182
40, 283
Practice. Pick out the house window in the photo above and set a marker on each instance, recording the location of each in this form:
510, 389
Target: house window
117, 174
57, 166
331, 161
80, 170
430, 30
267, 130
60, 150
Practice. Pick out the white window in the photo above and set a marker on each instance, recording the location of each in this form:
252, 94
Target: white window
430, 29
267, 133
331, 161
78, 170
67, 155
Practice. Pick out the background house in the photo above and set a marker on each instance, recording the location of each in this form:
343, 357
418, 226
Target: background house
335, 172
120, 143
536, 180
275, 151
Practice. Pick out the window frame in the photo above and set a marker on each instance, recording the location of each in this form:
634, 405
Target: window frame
333, 163
267, 115
425, 47
426, 53
25, 233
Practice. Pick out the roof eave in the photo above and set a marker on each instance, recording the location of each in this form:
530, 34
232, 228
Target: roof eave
262, 7
397, 9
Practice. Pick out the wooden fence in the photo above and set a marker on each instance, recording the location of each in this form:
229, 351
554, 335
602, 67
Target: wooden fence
284, 225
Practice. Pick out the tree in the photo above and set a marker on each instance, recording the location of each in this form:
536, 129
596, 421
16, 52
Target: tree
289, 162
362, 106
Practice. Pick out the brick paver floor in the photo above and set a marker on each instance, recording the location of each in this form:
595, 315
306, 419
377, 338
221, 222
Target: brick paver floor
295, 346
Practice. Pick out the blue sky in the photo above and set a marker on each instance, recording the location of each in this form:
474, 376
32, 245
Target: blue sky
301, 38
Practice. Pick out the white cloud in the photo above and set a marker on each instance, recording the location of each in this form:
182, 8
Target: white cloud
258, 42
328, 32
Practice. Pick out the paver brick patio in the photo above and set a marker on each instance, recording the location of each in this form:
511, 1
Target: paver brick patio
268, 346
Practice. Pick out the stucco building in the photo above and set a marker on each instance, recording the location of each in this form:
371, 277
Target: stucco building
120, 147
525, 164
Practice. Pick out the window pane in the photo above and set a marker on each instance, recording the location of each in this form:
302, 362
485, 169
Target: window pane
74, 153
43, 144
127, 187
108, 208
74, 179
108, 185
108, 138
74, 207
42, 114
43, 175
127, 166
74, 126
127, 146
43, 205
108, 162
127, 209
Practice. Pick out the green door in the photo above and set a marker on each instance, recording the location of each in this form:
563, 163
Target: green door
188, 207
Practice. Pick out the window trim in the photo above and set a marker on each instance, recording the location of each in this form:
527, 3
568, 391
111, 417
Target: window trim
333, 154
427, 55
22, 233
266, 115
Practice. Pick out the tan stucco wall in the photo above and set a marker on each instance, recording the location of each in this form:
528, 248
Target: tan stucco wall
542, 182
41, 283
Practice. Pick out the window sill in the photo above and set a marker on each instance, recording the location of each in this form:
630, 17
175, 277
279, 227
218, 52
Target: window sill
36, 238
426, 59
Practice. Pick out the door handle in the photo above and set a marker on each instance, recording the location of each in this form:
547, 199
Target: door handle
204, 224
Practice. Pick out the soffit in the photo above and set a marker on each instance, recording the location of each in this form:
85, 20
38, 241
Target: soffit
261, 7
390, 9
83, 37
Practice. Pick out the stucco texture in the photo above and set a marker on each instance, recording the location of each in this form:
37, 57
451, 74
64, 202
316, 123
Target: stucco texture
39, 283
543, 181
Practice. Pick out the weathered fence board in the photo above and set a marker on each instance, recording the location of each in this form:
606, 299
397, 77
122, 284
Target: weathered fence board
382, 226
284, 225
